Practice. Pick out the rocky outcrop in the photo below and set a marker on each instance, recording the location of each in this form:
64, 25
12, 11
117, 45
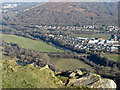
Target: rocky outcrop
45, 67
91, 80
108, 83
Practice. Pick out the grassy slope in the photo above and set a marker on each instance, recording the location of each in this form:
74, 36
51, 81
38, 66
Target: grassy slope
105, 36
114, 57
16, 76
29, 44
0, 75
69, 64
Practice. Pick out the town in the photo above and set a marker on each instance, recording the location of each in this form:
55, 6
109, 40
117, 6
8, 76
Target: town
87, 28
87, 44
6, 7
92, 44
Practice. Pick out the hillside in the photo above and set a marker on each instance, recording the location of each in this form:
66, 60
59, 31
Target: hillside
34, 68
68, 14
16, 76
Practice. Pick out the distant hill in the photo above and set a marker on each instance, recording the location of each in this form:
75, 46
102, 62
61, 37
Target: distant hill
72, 13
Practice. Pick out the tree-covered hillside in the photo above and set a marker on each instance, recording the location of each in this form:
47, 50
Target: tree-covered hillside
66, 14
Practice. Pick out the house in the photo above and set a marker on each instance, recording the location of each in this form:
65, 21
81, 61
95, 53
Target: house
51, 35
93, 41
111, 42
100, 38
58, 27
113, 48
101, 41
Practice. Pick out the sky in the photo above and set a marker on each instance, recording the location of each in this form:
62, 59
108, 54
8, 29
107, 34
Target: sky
59, 0
23, 0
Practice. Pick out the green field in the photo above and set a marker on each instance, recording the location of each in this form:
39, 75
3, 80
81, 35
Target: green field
105, 36
29, 44
16, 76
69, 64
0, 75
114, 57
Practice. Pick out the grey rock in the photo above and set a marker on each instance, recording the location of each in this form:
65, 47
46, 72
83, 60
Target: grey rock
92, 81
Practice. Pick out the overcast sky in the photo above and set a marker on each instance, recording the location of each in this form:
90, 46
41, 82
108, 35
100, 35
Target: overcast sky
23, 0
57, 0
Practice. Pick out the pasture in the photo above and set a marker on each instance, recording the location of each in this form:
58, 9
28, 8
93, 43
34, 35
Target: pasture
69, 64
113, 57
105, 36
29, 44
